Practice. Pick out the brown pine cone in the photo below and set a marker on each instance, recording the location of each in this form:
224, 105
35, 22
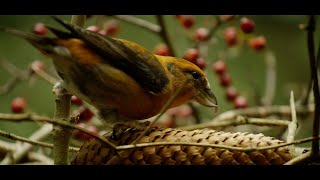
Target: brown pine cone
96, 152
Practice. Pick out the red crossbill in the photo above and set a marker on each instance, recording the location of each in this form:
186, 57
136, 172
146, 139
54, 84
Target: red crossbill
118, 76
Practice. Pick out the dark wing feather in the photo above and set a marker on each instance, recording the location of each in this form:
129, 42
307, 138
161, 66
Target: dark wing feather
132, 59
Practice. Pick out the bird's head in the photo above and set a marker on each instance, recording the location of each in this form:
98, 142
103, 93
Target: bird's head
192, 81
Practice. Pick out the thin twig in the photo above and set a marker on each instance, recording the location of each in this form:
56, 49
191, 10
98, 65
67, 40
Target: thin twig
18, 75
260, 112
164, 35
46, 76
34, 142
39, 157
314, 76
33, 117
212, 30
299, 159
271, 77
139, 22
240, 120
292, 128
24, 148
246, 149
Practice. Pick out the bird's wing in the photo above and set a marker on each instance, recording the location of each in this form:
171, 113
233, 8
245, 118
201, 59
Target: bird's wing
127, 56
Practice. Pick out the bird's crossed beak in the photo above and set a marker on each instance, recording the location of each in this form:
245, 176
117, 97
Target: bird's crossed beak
206, 97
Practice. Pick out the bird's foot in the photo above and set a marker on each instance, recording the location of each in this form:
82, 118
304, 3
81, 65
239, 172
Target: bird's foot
120, 128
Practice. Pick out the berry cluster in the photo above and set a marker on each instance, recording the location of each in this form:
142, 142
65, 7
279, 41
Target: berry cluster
247, 26
85, 116
220, 68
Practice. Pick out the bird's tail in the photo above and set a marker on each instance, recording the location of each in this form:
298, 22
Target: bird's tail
44, 44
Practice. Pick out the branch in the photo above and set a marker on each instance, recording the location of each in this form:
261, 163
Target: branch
46, 76
299, 159
33, 142
18, 75
139, 22
261, 112
61, 135
239, 120
24, 148
40, 158
33, 117
164, 34
314, 76
292, 127
271, 78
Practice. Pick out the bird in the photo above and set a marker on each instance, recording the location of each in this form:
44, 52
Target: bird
123, 80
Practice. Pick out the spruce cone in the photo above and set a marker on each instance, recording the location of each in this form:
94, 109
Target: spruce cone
97, 153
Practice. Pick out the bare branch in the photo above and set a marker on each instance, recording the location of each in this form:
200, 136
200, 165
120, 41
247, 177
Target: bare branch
164, 35
292, 128
33, 117
271, 77
38, 157
314, 76
299, 159
139, 22
240, 120
260, 112
34, 142
24, 148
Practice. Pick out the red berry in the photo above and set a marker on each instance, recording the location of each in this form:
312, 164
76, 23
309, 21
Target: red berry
231, 93
93, 28
201, 63
184, 111
37, 65
162, 50
202, 34
230, 36
18, 104
247, 25
219, 67
76, 101
226, 17
191, 55
81, 135
40, 29
258, 43
187, 21
240, 102
112, 27
85, 114
225, 80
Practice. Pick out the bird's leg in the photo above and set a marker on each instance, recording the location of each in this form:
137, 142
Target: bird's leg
121, 124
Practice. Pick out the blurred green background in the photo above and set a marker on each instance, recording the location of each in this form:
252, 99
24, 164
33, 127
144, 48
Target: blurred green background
246, 67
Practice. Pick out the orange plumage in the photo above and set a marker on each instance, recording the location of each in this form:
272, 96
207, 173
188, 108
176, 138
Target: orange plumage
123, 80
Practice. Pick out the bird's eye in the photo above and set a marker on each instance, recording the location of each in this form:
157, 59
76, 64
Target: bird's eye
195, 75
